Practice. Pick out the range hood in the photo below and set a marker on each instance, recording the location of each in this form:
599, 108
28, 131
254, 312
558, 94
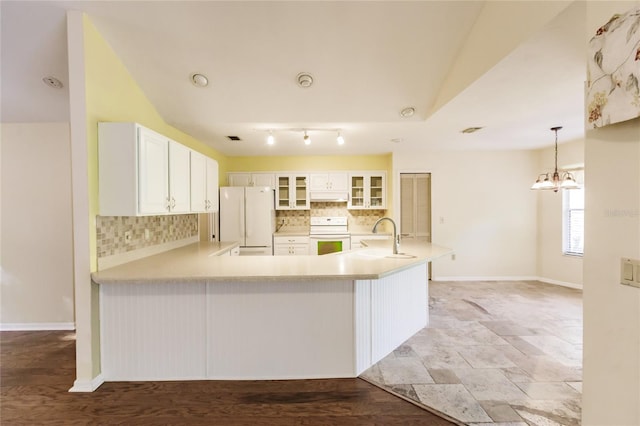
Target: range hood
336, 196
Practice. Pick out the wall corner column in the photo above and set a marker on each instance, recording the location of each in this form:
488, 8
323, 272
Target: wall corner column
87, 347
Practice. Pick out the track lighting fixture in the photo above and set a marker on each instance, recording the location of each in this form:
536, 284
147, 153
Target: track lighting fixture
306, 137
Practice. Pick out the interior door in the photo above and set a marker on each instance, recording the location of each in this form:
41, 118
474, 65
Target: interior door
415, 205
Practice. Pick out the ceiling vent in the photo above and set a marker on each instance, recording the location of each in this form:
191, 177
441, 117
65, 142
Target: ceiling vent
53, 82
234, 138
470, 130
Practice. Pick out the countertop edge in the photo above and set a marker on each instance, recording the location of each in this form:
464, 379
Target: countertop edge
198, 263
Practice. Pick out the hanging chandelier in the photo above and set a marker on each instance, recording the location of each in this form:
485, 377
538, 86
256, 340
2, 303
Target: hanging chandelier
557, 180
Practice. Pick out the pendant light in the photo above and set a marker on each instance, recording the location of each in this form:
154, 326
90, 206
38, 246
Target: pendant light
558, 180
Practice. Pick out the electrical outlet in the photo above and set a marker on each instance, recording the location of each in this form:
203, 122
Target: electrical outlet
453, 256
127, 237
171, 229
147, 234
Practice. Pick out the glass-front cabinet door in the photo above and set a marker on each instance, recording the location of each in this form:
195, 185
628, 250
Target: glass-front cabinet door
356, 197
367, 190
292, 192
376, 191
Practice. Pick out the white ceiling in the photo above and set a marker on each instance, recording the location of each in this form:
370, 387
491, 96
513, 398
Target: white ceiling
369, 60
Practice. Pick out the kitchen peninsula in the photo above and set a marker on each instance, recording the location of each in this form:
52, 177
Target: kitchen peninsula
189, 314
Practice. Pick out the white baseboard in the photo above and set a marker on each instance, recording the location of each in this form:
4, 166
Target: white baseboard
130, 256
37, 326
87, 385
480, 278
560, 283
516, 278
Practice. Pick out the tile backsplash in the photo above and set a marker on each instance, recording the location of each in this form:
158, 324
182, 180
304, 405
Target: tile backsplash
356, 218
162, 229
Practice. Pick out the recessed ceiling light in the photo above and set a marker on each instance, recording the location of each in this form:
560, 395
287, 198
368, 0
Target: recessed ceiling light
397, 140
304, 79
199, 80
53, 82
470, 129
408, 112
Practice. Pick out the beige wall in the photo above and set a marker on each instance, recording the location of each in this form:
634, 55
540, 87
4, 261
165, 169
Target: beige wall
611, 390
611, 310
482, 208
37, 266
553, 266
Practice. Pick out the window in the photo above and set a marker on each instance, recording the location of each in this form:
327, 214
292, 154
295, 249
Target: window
573, 220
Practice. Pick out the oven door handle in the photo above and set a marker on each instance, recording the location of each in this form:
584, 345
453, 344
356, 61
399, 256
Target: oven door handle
328, 236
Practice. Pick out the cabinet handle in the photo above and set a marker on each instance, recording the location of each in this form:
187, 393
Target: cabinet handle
168, 205
173, 202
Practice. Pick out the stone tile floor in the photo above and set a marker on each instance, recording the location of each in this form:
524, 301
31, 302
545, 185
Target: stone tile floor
494, 353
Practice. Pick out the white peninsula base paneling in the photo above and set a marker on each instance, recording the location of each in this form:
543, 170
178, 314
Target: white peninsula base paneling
258, 330
153, 331
286, 330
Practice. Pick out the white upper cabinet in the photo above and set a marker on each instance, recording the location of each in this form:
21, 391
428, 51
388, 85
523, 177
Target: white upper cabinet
367, 190
179, 178
212, 185
292, 191
329, 181
142, 173
152, 177
204, 183
251, 179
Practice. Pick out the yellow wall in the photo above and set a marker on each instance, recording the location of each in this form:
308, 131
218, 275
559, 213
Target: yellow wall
295, 163
318, 162
113, 95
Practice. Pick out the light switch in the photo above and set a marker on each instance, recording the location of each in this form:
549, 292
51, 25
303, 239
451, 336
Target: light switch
627, 271
630, 272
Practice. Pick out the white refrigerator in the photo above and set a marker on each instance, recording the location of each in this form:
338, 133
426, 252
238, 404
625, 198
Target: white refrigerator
247, 215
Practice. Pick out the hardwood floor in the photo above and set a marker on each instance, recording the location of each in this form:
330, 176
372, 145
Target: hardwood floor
38, 368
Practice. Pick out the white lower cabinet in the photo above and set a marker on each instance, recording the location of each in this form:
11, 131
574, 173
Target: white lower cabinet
290, 245
357, 238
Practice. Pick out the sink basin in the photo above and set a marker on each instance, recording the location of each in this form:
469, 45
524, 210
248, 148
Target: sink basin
381, 253
401, 256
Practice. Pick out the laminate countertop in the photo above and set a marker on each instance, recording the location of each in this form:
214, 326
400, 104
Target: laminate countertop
200, 262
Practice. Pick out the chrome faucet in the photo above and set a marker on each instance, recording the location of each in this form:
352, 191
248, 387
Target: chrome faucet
396, 237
